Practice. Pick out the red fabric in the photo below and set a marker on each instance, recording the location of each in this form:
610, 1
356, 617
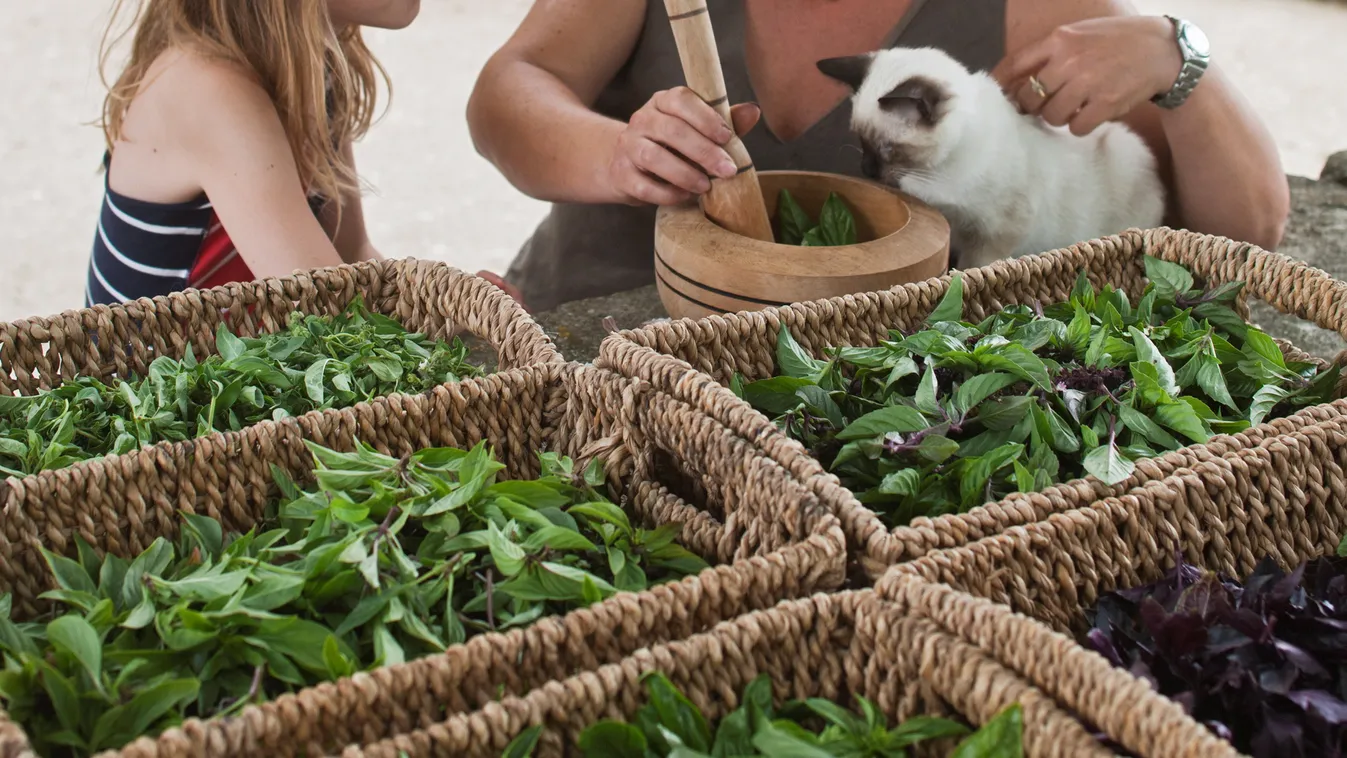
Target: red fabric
218, 262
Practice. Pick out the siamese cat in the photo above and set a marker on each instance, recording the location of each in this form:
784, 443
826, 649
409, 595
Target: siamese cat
1008, 183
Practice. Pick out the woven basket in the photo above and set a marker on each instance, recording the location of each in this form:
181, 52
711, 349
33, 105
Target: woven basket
693, 360
768, 533
1282, 497
828, 646
120, 341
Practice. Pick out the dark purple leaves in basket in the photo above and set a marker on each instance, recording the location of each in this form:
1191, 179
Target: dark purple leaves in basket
1263, 665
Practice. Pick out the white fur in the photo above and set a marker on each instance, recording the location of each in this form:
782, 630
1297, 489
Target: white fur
1008, 183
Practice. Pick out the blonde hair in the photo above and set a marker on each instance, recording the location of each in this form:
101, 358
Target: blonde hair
322, 80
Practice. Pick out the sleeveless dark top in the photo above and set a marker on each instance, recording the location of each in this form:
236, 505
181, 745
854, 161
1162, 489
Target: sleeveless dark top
582, 251
147, 249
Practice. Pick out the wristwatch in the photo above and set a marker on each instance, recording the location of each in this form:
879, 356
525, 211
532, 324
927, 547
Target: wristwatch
1196, 52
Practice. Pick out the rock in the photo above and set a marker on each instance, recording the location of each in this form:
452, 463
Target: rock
1335, 170
577, 327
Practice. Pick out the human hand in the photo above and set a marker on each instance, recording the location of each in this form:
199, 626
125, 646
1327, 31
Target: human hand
508, 288
672, 145
1093, 71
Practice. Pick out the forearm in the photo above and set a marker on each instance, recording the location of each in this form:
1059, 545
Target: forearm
539, 134
1227, 174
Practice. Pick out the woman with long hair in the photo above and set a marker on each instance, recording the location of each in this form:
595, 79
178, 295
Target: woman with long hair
229, 132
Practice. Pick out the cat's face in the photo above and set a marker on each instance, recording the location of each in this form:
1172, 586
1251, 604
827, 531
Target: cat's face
905, 109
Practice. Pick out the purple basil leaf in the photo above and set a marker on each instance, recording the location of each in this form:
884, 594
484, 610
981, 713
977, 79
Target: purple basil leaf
1278, 680
1278, 736
1322, 704
1300, 659
1100, 642
1220, 729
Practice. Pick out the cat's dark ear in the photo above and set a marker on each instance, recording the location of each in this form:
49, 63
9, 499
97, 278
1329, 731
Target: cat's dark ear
850, 70
918, 98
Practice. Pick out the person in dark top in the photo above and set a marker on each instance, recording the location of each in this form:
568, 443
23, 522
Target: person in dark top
229, 138
584, 107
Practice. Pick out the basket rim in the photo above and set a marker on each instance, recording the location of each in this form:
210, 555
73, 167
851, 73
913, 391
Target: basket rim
813, 560
649, 353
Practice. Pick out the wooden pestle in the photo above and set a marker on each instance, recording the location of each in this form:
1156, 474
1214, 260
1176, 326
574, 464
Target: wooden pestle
736, 203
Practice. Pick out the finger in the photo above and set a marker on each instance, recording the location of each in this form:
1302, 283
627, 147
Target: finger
1021, 64
1029, 100
653, 158
1063, 105
677, 135
683, 103
1090, 117
745, 116
651, 191
1052, 77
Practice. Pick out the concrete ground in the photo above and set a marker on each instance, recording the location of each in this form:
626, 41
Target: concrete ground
434, 197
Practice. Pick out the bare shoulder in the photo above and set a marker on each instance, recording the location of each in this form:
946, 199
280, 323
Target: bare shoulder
1028, 21
187, 96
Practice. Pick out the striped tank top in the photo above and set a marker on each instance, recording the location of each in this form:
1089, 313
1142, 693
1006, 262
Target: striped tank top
144, 249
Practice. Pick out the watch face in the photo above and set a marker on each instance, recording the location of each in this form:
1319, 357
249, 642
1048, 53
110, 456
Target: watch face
1196, 41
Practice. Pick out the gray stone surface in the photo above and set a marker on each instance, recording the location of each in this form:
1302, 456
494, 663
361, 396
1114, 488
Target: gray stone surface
577, 327
1317, 234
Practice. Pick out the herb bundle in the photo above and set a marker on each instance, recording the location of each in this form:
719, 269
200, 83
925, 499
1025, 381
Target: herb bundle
1263, 664
316, 363
671, 725
836, 225
959, 414
385, 561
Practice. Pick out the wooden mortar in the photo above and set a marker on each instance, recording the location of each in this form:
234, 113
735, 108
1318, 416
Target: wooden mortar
719, 254
702, 269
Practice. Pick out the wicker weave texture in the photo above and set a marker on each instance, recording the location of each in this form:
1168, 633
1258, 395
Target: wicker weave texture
122, 340
768, 533
693, 360
1284, 496
827, 646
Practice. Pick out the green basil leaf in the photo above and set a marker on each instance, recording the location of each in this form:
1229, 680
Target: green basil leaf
613, 739
978, 388
951, 305
836, 223
925, 399
903, 482
1264, 401
557, 538
1181, 418
776, 395
74, 636
792, 221
773, 741
923, 728
227, 345
892, 418
1002, 737
678, 714
508, 557
1142, 424
1020, 362
1107, 464
68, 574
793, 359
1005, 413
1147, 352
1170, 279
